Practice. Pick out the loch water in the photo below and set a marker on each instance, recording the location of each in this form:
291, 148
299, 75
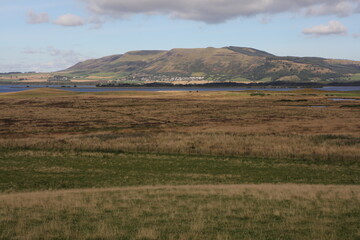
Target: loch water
18, 88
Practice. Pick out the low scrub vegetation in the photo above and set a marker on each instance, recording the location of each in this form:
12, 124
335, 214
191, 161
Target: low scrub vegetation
179, 165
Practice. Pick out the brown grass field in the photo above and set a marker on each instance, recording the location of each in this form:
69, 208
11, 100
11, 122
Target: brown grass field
179, 165
264, 211
280, 125
26, 78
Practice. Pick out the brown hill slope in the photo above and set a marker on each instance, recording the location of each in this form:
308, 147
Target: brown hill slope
220, 63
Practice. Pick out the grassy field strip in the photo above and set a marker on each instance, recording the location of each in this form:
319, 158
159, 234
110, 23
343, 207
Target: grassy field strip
321, 147
249, 211
43, 170
224, 188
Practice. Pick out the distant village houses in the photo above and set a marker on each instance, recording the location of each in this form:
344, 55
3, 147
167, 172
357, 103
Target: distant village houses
58, 78
163, 78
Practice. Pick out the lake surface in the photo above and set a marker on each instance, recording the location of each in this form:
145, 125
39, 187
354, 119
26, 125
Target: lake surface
343, 99
18, 88
319, 106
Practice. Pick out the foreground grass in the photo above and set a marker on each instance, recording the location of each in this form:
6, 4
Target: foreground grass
133, 165
35, 170
185, 212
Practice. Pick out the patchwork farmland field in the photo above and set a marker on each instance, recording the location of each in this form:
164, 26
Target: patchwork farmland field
179, 165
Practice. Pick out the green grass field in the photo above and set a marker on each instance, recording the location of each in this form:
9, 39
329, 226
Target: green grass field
29, 170
355, 77
182, 165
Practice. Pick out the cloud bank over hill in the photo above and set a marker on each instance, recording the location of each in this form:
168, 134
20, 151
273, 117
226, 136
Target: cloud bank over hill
215, 11
56, 59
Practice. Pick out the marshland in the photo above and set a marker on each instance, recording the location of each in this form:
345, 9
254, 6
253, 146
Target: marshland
179, 165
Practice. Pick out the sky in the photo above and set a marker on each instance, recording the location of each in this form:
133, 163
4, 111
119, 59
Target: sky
52, 35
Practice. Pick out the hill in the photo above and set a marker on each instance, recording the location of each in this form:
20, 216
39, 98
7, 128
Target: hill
218, 64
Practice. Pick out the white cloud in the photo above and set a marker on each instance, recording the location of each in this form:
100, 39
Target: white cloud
265, 19
32, 51
68, 57
70, 20
332, 28
96, 22
36, 18
341, 9
50, 66
55, 59
217, 11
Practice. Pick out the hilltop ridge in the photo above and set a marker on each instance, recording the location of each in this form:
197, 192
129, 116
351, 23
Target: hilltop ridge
219, 64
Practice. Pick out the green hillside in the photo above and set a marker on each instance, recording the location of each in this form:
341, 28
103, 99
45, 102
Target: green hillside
220, 64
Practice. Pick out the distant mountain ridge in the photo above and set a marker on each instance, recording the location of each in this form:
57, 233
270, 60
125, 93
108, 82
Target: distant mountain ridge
228, 63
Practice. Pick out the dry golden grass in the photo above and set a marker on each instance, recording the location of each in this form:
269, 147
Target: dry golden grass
27, 77
277, 125
221, 144
266, 211
100, 77
95, 128
84, 81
